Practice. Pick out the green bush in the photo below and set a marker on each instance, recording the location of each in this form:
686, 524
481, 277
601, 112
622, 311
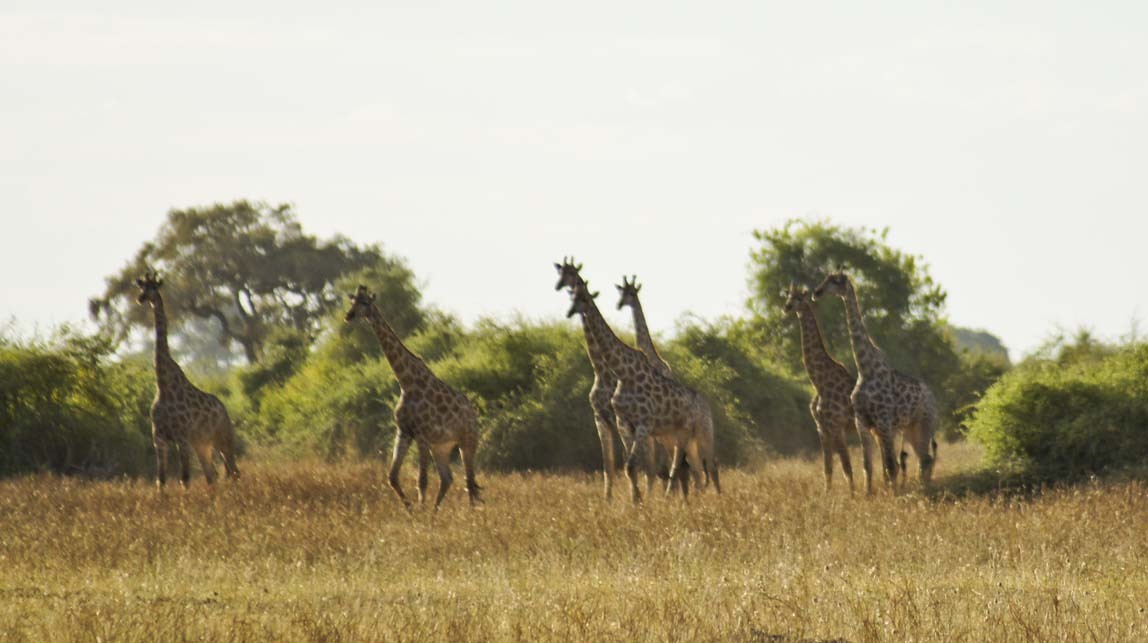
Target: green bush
756, 403
1081, 411
65, 407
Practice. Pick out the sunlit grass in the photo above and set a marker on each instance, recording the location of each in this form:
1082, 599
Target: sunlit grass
325, 552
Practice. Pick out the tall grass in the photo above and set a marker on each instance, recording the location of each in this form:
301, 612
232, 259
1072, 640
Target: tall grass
317, 552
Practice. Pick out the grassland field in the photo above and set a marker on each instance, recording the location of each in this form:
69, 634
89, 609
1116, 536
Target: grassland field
324, 552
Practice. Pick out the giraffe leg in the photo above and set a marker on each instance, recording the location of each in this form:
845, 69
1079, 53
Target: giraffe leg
469, 451
925, 446
606, 438
650, 458
866, 452
639, 443
842, 449
402, 444
184, 451
424, 465
827, 456
225, 442
205, 452
886, 440
445, 477
677, 456
693, 456
161, 449
709, 456
904, 462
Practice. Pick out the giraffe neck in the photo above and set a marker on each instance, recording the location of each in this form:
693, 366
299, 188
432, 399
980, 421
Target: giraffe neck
407, 366
869, 359
594, 352
814, 354
169, 376
645, 342
617, 356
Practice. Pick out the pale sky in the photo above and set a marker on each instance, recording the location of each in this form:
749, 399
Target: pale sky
1005, 142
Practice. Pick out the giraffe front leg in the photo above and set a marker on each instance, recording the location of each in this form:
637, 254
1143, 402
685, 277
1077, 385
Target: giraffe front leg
606, 438
826, 455
161, 449
866, 438
402, 444
842, 449
183, 453
424, 465
886, 439
650, 459
677, 456
639, 443
442, 461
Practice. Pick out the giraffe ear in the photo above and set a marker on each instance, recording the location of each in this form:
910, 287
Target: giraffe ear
558, 265
620, 288
159, 283
594, 295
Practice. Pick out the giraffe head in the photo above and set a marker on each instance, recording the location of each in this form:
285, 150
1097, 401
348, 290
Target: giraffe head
628, 292
361, 302
568, 274
836, 283
796, 299
581, 300
149, 285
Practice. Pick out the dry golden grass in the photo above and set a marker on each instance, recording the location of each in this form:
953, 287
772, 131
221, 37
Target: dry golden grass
317, 552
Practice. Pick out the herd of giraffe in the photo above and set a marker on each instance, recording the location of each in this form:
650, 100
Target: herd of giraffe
635, 398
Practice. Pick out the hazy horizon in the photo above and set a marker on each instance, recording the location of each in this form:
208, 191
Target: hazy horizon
1004, 143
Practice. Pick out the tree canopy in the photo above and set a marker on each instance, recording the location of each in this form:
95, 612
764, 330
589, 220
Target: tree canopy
904, 308
248, 267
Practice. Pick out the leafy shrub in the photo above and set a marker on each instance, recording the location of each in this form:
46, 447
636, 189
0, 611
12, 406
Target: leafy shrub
1068, 415
66, 408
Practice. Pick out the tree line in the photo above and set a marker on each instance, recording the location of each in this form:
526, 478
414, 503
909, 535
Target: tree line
255, 305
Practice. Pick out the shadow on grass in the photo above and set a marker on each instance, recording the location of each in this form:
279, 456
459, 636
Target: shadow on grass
1017, 482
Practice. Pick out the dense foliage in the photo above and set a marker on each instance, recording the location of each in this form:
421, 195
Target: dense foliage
66, 407
1077, 407
319, 386
904, 309
248, 269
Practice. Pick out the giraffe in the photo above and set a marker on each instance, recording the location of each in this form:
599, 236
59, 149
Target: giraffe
429, 411
831, 409
628, 296
601, 393
182, 416
649, 404
884, 401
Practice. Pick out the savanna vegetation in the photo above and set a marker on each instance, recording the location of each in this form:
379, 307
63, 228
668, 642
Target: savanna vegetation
313, 551
1033, 530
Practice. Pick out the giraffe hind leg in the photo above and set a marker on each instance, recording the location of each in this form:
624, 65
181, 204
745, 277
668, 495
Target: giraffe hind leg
184, 451
473, 491
205, 453
441, 454
402, 445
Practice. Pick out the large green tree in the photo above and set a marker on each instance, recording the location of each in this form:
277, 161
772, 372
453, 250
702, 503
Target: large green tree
904, 308
248, 268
